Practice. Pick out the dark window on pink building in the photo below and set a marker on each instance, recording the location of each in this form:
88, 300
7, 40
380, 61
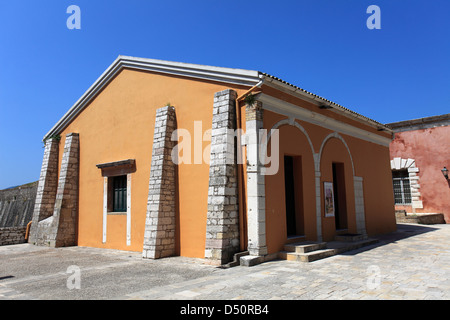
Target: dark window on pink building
402, 190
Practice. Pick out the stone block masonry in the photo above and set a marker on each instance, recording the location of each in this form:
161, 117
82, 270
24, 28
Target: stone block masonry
159, 236
16, 211
17, 205
256, 210
60, 229
423, 218
12, 235
46, 190
222, 226
359, 206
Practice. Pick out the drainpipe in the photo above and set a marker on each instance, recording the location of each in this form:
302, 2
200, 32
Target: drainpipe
28, 230
240, 173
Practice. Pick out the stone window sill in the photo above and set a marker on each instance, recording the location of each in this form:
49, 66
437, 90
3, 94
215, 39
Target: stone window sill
117, 213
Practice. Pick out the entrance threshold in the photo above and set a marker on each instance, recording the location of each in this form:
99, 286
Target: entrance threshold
293, 239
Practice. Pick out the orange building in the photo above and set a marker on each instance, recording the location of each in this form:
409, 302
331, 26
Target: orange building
173, 158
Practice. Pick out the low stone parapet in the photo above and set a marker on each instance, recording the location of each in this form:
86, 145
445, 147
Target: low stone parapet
423, 218
12, 235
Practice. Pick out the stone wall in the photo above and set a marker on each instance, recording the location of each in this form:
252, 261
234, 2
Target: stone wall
424, 218
17, 204
12, 235
420, 151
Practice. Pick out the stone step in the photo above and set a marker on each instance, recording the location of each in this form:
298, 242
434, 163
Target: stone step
236, 260
350, 237
320, 250
308, 256
344, 246
304, 247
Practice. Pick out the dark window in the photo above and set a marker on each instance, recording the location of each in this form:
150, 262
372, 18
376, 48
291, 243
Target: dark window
119, 194
402, 190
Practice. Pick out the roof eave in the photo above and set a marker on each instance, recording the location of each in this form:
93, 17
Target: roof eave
320, 101
219, 74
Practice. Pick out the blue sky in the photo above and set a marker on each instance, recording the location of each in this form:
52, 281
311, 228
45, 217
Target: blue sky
399, 72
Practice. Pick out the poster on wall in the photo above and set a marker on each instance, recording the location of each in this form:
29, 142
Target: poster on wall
329, 199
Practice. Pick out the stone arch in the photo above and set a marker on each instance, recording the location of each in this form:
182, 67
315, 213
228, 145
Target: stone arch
400, 163
337, 136
354, 216
294, 141
291, 122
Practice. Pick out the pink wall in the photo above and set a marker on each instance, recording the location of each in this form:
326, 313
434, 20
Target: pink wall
430, 149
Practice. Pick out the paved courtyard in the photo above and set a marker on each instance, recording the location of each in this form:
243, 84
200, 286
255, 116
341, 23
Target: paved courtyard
410, 264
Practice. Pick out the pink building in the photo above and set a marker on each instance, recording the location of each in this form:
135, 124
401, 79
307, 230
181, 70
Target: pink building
419, 156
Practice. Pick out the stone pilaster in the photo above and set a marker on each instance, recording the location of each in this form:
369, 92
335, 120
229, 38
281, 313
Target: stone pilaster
60, 229
222, 224
359, 206
66, 204
47, 186
256, 212
317, 175
159, 236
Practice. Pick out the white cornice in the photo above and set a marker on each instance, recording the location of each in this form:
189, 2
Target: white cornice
228, 75
219, 74
290, 110
312, 98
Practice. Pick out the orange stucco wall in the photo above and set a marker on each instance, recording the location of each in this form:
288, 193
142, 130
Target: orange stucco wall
117, 125
292, 143
370, 161
335, 151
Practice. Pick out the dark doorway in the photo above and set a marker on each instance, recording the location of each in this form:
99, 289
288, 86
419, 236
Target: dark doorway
293, 195
290, 195
340, 203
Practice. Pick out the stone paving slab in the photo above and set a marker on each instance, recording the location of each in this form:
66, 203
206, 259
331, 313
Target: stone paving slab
410, 264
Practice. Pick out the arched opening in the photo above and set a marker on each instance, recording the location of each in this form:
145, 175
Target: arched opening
337, 172
290, 200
